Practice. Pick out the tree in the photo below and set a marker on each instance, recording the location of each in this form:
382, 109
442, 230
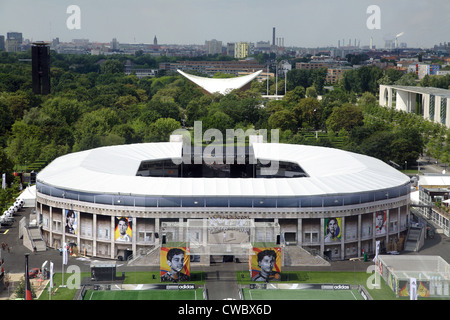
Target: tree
293, 96
311, 92
367, 99
111, 66
378, 145
408, 79
6, 166
345, 117
309, 113
20, 290
362, 79
284, 120
6, 118
161, 129
218, 120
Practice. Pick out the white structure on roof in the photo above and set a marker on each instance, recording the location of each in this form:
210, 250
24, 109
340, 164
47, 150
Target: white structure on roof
112, 170
155, 194
222, 86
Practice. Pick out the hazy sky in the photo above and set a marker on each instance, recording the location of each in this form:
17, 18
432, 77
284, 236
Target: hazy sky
304, 23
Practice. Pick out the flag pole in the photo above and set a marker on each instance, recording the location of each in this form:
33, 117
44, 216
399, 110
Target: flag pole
50, 287
27, 291
64, 261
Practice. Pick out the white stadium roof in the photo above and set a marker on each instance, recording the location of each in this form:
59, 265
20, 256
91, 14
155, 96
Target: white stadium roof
222, 86
112, 170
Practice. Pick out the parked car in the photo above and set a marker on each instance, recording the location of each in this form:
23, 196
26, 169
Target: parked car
33, 273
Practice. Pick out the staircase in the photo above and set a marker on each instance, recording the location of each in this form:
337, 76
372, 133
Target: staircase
32, 239
413, 239
297, 256
149, 258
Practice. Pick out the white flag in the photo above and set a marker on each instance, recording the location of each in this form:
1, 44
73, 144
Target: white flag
376, 251
51, 274
412, 289
65, 254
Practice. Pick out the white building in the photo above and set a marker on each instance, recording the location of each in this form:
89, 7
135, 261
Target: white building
431, 103
156, 192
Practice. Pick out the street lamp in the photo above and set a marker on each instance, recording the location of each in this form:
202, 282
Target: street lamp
406, 164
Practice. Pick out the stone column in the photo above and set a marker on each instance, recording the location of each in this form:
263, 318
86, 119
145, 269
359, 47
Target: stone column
342, 237
50, 227
94, 234
157, 240
113, 249
359, 234
134, 235
322, 236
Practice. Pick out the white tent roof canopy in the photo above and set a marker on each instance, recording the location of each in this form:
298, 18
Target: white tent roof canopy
222, 86
112, 170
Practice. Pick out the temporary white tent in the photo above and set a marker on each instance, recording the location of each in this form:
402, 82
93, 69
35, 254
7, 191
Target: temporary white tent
28, 196
222, 86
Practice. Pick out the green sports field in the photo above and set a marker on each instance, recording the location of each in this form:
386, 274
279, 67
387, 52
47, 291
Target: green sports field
196, 294
306, 294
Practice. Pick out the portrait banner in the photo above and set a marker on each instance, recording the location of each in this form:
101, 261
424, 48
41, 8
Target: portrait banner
175, 264
71, 221
380, 222
123, 230
332, 230
266, 264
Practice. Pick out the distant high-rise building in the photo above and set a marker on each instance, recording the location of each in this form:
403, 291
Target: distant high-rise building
2, 43
13, 41
213, 46
230, 49
114, 44
40, 67
155, 41
241, 50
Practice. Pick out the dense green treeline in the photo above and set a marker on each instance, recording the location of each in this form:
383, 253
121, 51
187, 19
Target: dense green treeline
94, 103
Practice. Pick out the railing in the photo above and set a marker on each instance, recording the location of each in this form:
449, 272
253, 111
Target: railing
319, 201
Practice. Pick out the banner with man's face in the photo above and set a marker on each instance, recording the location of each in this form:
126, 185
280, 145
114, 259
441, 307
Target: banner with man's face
175, 264
266, 264
332, 232
380, 222
123, 230
71, 221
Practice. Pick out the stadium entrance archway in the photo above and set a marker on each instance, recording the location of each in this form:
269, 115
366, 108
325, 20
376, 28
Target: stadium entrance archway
220, 238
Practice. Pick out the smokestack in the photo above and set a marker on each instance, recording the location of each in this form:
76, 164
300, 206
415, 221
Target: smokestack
273, 36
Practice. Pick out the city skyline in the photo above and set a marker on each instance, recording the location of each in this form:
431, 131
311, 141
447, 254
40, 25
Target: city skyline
301, 23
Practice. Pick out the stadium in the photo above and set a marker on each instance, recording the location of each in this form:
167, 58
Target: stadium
127, 201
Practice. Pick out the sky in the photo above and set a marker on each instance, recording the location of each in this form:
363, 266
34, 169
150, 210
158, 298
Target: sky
301, 23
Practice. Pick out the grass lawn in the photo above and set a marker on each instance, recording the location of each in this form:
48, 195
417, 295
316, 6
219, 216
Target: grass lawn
63, 293
301, 294
243, 278
196, 294
326, 277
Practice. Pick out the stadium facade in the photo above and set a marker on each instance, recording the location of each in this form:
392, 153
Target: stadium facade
115, 201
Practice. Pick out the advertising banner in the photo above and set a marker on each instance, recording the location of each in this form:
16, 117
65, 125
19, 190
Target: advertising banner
422, 288
71, 221
123, 230
175, 264
332, 230
266, 264
380, 222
